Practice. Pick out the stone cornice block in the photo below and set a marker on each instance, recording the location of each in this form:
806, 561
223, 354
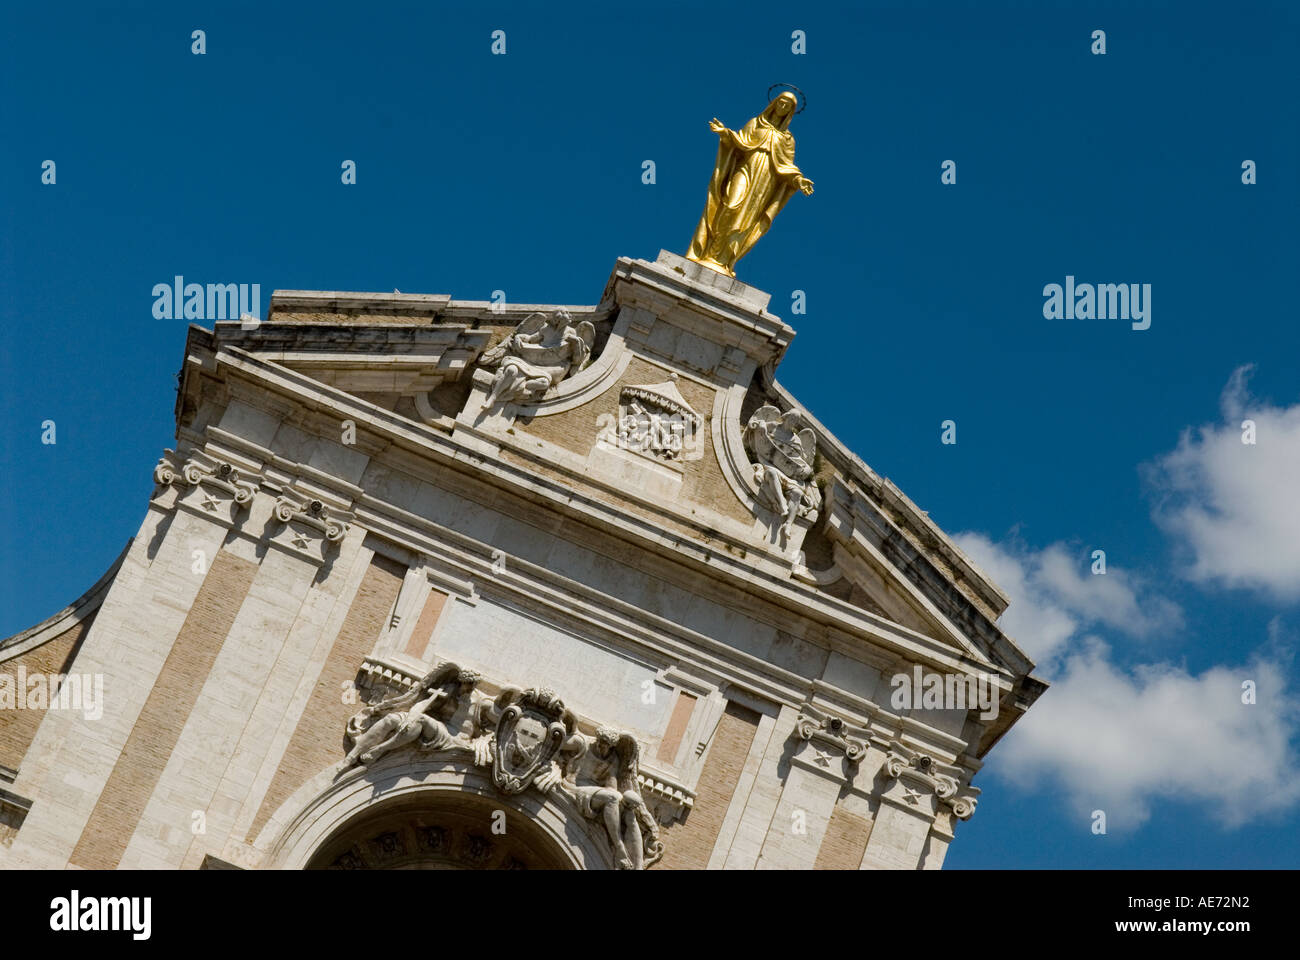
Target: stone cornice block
334, 301
709, 307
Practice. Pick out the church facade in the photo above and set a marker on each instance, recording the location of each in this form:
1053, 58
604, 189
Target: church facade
430, 583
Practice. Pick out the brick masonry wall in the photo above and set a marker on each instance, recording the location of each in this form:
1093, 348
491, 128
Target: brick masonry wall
141, 763
55, 656
317, 740
681, 716
687, 845
844, 842
423, 632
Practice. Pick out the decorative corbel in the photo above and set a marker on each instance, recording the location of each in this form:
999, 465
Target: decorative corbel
818, 728
914, 769
212, 488
311, 529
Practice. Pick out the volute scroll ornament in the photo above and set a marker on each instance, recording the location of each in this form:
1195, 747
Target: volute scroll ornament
920, 769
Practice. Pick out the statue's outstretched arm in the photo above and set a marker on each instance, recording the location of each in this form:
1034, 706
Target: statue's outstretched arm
725, 133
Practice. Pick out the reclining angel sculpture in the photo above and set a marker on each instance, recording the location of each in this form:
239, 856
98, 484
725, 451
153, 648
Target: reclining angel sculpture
540, 353
615, 800
421, 712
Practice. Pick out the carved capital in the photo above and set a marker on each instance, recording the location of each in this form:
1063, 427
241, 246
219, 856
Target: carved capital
821, 728
211, 487
310, 528
919, 770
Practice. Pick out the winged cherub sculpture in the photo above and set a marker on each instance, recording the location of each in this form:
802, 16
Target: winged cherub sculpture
785, 447
540, 353
614, 799
419, 713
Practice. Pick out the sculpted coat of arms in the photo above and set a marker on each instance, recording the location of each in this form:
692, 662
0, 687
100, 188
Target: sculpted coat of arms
521, 735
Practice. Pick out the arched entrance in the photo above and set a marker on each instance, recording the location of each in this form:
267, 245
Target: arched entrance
428, 812
442, 831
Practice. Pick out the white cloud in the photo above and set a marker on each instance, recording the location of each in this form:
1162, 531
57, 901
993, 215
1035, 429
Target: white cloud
1233, 507
1054, 592
1125, 741
1122, 739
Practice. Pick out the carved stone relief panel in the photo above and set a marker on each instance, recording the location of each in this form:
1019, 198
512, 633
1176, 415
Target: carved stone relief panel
529, 740
655, 420
783, 448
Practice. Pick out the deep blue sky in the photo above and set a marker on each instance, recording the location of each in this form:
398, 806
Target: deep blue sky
523, 172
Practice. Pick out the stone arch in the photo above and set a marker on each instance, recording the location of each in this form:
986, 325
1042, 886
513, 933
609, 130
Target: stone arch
430, 811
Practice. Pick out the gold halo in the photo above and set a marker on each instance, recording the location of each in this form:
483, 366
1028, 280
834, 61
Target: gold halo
803, 100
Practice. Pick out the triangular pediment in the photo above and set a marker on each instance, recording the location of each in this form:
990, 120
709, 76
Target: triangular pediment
581, 397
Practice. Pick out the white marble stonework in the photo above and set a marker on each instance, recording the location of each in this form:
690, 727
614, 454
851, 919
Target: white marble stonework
588, 567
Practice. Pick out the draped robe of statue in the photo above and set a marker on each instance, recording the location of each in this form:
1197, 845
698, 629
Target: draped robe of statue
752, 179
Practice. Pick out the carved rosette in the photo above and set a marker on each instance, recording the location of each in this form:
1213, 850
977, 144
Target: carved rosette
914, 769
529, 740
210, 487
311, 529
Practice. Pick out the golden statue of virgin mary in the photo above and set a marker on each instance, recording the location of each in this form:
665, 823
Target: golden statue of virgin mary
753, 178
